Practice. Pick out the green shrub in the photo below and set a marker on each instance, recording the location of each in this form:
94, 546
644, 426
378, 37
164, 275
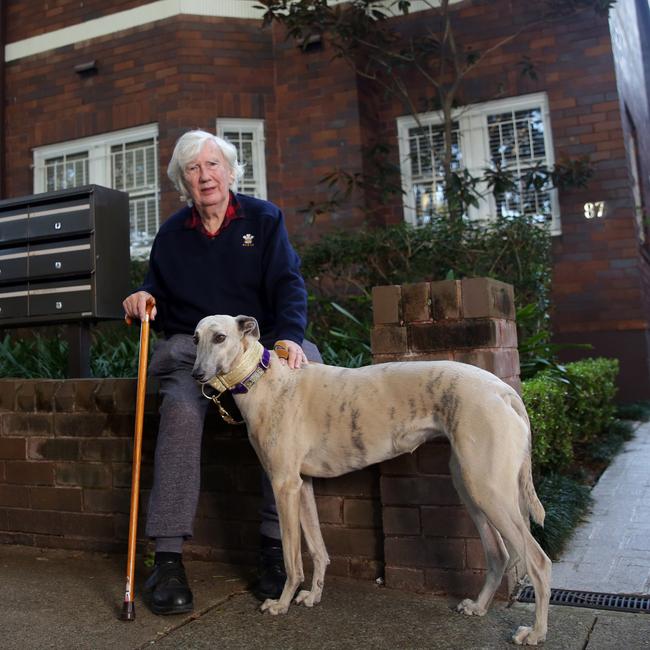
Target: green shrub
590, 395
634, 411
545, 400
38, 356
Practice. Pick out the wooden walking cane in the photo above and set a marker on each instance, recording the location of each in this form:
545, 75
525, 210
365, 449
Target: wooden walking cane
128, 608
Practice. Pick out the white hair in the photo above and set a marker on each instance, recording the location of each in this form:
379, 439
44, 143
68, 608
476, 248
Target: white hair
188, 147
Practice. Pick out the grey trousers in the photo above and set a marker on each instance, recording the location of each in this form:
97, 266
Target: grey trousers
177, 462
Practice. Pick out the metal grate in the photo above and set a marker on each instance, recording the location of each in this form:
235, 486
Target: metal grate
595, 600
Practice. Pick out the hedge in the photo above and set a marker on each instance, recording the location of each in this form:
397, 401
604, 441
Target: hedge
569, 411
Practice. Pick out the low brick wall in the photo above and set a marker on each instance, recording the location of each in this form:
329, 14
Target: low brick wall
66, 447
430, 542
65, 475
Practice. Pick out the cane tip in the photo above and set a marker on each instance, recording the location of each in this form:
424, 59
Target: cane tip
128, 611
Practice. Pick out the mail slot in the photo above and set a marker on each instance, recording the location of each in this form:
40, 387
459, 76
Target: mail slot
13, 301
60, 258
58, 220
13, 225
50, 250
60, 299
13, 263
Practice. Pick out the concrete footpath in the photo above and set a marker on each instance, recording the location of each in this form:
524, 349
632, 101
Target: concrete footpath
69, 599
610, 551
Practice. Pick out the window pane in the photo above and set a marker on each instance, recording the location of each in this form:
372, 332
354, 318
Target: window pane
70, 170
427, 153
516, 140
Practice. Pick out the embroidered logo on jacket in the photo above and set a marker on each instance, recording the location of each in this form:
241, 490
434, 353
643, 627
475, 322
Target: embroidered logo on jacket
248, 239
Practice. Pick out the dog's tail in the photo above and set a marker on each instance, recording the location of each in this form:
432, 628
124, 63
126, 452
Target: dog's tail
531, 504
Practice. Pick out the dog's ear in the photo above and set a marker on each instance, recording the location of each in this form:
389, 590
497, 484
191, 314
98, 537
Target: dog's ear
248, 326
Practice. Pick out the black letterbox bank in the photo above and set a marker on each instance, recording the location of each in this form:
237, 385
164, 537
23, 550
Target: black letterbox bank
64, 256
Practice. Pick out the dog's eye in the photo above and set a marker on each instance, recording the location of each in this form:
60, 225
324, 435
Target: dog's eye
195, 338
218, 338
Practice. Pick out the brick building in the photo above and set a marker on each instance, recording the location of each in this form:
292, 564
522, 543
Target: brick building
98, 92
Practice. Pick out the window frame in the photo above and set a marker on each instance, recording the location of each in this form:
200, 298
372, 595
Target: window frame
256, 126
475, 148
99, 152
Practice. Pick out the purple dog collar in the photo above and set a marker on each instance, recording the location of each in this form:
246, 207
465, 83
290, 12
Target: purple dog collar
262, 367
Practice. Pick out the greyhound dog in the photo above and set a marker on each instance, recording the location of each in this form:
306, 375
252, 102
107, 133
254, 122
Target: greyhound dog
324, 421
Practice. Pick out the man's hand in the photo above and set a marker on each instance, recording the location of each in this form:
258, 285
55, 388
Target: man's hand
135, 305
290, 354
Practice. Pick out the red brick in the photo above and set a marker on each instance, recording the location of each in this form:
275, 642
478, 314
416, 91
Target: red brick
54, 448
35, 521
30, 473
401, 521
389, 339
95, 475
14, 496
330, 509
13, 448
501, 362
446, 299
401, 465
475, 555
447, 522
433, 458
26, 396
463, 584
55, 498
21, 424
405, 579
362, 483
356, 542
79, 424
487, 298
418, 490
416, 302
88, 525
421, 552
362, 513
107, 449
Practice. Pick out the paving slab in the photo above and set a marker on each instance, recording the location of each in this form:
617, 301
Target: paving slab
610, 551
69, 600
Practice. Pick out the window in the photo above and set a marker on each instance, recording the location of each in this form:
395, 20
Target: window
513, 134
124, 160
248, 137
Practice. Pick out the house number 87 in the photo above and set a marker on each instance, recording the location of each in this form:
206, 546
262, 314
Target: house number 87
596, 209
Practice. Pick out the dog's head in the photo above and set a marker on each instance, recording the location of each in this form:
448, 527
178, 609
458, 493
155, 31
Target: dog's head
220, 341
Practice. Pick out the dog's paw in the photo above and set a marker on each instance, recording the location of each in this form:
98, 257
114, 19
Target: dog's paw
274, 607
307, 598
527, 636
470, 608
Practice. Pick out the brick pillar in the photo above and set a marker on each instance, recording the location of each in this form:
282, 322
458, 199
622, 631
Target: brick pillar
430, 542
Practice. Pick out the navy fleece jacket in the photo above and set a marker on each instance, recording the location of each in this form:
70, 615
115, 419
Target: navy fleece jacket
250, 268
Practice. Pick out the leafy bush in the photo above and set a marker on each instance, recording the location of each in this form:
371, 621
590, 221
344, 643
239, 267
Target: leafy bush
39, 356
546, 402
634, 411
591, 391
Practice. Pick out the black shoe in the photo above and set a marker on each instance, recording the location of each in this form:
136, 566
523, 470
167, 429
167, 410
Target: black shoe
167, 591
271, 574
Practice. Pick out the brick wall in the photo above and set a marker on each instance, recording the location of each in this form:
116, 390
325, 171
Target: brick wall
65, 475
431, 543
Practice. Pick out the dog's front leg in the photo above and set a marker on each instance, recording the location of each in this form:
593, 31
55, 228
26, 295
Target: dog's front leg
287, 500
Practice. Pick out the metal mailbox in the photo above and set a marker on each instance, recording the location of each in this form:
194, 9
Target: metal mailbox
64, 256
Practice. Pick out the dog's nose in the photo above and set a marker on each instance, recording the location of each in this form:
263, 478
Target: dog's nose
197, 374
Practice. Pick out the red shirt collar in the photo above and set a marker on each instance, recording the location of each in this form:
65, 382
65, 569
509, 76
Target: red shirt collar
233, 211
